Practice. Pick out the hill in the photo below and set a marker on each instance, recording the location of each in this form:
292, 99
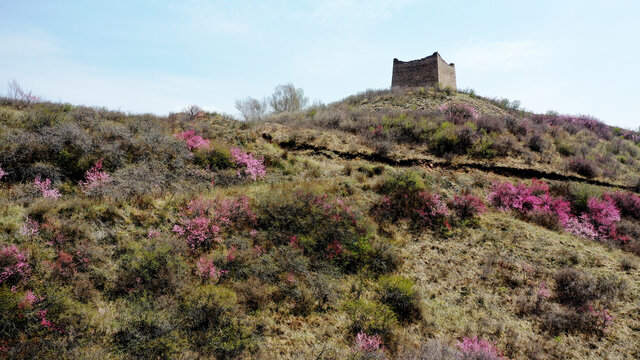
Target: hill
408, 224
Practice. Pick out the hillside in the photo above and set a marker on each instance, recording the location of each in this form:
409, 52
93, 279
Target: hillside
410, 224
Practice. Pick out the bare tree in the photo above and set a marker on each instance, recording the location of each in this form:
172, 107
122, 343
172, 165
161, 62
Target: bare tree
286, 98
252, 109
21, 96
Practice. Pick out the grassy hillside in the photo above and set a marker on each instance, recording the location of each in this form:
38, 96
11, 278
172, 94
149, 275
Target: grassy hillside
389, 225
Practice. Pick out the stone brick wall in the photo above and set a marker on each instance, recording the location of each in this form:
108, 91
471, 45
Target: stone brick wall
423, 72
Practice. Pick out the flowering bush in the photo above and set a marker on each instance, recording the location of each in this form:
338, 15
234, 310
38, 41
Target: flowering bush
533, 199
95, 177
423, 209
2, 173
14, 267
368, 343
193, 141
475, 348
202, 221
458, 113
467, 206
45, 188
604, 215
29, 228
29, 300
253, 167
628, 204
207, 270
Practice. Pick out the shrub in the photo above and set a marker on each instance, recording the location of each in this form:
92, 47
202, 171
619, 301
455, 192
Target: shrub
586, 320
399, 294
202, 221
475, 348
154, 268
533, 201
253, 167
444, 140
215, 157
577, 289
324, 228
467, 206
458, 113
628, 204
537, 143
94, 177
2, 172
371, 318
582, 166
45, 188
368, 343
192, 140
405, 181
14, 266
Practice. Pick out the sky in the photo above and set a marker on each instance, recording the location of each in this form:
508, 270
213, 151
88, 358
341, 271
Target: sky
160, 56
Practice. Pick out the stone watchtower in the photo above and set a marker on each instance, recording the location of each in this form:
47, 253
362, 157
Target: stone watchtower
424, 72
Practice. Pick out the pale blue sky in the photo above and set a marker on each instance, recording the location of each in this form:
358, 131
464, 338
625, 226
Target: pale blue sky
578, 57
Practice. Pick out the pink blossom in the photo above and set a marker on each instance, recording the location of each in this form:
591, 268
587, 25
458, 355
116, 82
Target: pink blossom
231, 254
458, 113
207, 270
2, 173
467, 206
29, 228
368, 343
543, 291
95, 177
45, 188
153, 233
193, 141
48, 324
14, 267
29, 299
581, 227
254, 168
478, 349
259, 250
432, 208
334, 249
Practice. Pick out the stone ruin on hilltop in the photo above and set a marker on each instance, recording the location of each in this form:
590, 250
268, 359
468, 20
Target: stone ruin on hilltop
425, 72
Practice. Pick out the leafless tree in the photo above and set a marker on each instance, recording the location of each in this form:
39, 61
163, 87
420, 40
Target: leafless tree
252, 109
286, 98
21, 96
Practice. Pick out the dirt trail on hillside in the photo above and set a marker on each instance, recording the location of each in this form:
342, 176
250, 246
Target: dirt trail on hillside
522, 173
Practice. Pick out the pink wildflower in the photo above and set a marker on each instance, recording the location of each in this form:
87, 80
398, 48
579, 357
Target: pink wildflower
368, 343
207, 270
45, 188
2, 173
153, 233
95, 177
193, 141
29, 228
14, 267
29, 299
478, 349
254, 168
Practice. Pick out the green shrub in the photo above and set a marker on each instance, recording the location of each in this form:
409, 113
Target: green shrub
444, 140
154, 268
216, 157
325, 229
402, 182
399, 294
